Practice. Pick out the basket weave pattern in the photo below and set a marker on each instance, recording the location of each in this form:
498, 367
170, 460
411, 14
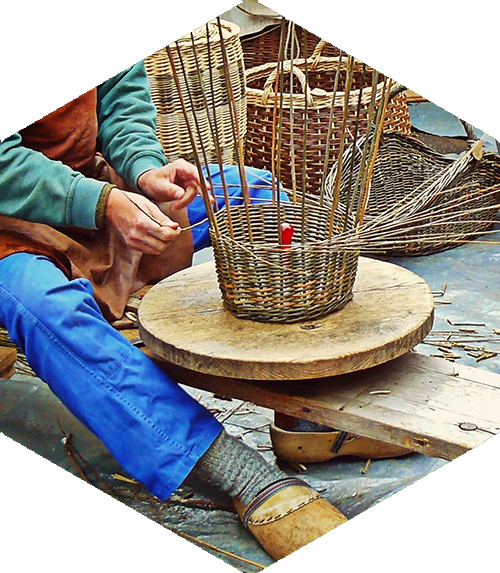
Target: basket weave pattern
307, 127
262, 280
264, 47
211, 98
405, 169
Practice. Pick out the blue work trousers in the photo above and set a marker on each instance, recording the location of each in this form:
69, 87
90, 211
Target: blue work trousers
154, 429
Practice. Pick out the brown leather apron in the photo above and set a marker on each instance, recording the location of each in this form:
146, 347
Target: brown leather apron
69, 134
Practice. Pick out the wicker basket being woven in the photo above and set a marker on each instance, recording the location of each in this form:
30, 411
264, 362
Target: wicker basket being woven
307, 117
452, 200
263, 280
206, 82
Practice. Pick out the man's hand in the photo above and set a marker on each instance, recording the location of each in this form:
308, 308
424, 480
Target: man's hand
178, 182
141, 224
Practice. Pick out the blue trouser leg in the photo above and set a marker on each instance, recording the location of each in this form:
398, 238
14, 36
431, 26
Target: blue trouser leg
155, 430
259, 183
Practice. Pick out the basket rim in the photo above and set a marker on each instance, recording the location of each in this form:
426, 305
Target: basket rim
229, 31
320, 97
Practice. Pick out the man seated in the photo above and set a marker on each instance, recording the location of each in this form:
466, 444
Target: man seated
90, 212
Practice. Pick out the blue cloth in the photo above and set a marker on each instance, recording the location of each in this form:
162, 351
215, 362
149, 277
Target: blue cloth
260, 191
154, 429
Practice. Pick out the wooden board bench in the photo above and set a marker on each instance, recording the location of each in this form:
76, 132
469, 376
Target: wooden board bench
353, 370
426, 404
8, 358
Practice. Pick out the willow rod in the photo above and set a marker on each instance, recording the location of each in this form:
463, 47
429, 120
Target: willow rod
278, 137
347, 91
235, 128
291, 30
353, 193
373, 151
362, 180
330, 129
215, 136
304, 145
191, 101
205, 194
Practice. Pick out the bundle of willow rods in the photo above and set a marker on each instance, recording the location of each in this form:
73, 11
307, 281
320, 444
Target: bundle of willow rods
275, 261
423, 202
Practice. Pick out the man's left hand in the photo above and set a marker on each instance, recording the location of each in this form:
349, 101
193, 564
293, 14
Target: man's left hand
178, 182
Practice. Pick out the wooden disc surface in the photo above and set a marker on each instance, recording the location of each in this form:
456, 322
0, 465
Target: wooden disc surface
183, 320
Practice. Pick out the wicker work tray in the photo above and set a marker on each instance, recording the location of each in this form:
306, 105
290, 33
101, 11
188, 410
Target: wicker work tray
408, 173
208, 87
309, 130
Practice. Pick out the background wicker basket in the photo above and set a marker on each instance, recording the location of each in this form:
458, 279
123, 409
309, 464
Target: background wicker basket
264, 46
309, 131
262, 280
411, 178
207, 84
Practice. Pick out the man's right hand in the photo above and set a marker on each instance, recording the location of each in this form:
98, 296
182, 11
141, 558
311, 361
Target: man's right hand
141, 224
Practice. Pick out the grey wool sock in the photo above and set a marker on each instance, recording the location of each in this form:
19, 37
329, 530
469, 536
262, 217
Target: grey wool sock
236, 468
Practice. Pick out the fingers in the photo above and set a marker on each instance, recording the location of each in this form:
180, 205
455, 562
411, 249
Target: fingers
140, 223
154, 231
186, 198
177, 182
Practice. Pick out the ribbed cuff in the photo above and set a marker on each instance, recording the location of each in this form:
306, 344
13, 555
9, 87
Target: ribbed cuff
100, 211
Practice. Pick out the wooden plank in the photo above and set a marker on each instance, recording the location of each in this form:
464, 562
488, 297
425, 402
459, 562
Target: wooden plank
183, 320
8, 357
426, 403
413, 97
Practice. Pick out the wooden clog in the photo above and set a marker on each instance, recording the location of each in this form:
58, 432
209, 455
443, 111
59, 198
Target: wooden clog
304, 447
287, 516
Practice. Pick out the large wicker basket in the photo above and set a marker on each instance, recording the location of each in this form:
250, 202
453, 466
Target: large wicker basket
206, 82
308, 126
410, 177
260, 279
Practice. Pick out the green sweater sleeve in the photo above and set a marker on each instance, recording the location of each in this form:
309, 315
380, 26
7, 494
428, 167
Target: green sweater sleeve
127, 124
37, 189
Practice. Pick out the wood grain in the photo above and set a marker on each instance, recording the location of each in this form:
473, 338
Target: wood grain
183, 320
424, 402
8, 357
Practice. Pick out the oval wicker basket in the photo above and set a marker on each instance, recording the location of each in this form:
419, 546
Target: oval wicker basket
208, 88
409, 173
262, 280
309, 131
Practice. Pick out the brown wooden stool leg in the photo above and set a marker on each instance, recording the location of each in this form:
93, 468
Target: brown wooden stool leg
8, 357
285, 422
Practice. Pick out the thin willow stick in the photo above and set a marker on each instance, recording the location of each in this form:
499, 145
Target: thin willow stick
236, 129
362, 178
330, 129
218, 149
347, 91
279, 76
353, 192
213, 547
292, 126
304, 143
204, 190
373, 152
191, 101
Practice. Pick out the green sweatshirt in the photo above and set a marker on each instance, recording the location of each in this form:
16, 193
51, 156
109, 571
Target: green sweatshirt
37, 189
